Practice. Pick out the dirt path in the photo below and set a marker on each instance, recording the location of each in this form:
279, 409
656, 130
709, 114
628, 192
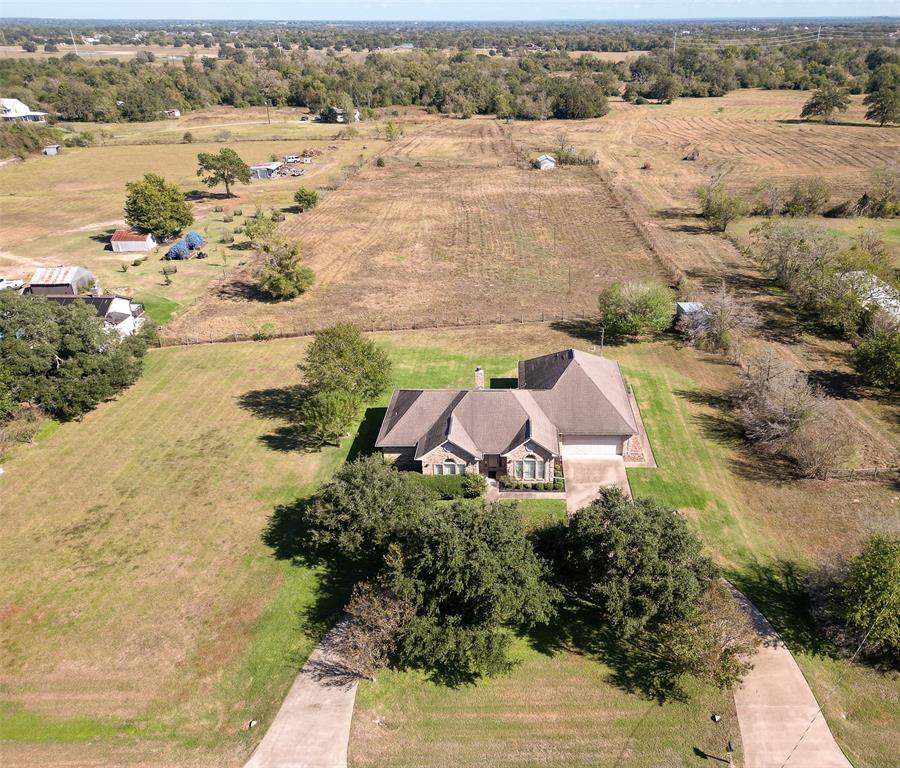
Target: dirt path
312, 728
782, 725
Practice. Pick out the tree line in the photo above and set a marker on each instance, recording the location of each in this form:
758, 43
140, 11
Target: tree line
528, 86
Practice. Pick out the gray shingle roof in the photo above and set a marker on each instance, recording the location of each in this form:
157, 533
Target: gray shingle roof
567, 392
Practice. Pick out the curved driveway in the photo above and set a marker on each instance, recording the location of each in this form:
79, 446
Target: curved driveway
781, 723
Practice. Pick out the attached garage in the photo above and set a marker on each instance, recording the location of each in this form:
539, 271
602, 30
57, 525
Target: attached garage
588, 446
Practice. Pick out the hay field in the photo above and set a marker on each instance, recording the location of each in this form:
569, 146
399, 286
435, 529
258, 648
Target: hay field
453, 229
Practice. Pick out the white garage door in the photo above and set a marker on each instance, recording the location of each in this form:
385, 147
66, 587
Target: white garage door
585, 446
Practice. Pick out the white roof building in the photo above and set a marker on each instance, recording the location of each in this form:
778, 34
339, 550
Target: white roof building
545, 162
874, 291
13, 110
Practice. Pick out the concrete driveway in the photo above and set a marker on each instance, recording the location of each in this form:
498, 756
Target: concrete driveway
585, 477
781, 723
312, 728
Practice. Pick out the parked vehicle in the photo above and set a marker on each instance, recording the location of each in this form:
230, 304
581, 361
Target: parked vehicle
292, 159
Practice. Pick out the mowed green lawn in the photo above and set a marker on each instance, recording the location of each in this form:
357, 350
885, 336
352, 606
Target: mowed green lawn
145, 623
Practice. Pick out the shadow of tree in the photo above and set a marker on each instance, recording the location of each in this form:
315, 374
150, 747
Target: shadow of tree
777, 588
692, 222
723, 427
586, 330
640, 665
195, 195
282, 403
364, 440
288, 535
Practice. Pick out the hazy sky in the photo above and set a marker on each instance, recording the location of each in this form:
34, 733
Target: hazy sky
445, 10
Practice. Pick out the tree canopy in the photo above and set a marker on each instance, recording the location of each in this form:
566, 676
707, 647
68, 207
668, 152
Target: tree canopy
340, 357
282, 275
718, 206
883, 95
467, 569
364, 508
825, 102
223, 167
153, 205
306, 198
877, 359
60, 357
871, 592
636, 560
634, 309
578, 99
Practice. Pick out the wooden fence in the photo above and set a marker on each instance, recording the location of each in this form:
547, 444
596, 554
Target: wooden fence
309, 328
881, 474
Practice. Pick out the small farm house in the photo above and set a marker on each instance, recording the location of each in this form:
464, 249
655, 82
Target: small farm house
545, 163
118, 313
51, 149
14, 111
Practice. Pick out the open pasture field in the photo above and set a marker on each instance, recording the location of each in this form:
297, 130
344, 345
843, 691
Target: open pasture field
453, 229
56, 210
163, 53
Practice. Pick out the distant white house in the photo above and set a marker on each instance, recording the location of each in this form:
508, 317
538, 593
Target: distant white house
545, 163
15, 111
172, 114
340, 115
59, 281
118, 313
126, 240
52, 149
265, 170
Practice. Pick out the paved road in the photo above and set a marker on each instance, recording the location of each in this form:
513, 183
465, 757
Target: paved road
312, 728
781, 725
584, 477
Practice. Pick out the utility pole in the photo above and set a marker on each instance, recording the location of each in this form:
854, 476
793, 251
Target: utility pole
818, 34
602, 338
674, 40
72, 35
268, 119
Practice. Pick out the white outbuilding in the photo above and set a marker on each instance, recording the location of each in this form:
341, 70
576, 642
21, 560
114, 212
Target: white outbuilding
545, 163
126, 241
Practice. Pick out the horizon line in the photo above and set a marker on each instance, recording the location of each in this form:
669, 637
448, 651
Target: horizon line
886, 18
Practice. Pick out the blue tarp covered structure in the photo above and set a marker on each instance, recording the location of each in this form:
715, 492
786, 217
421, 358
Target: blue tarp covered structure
194, 240
178, 251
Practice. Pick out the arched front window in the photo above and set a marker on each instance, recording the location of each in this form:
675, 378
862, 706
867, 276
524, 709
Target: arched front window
449, 467
531, 468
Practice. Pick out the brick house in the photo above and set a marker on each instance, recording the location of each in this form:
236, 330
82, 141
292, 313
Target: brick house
567, 404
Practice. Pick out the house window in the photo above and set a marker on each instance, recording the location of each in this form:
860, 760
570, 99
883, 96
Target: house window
449, 467
531, 468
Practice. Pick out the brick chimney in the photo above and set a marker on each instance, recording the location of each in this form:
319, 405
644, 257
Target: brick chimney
479, 378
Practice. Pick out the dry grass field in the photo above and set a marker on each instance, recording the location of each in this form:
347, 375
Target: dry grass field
452, 229
143, 620
61, 209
